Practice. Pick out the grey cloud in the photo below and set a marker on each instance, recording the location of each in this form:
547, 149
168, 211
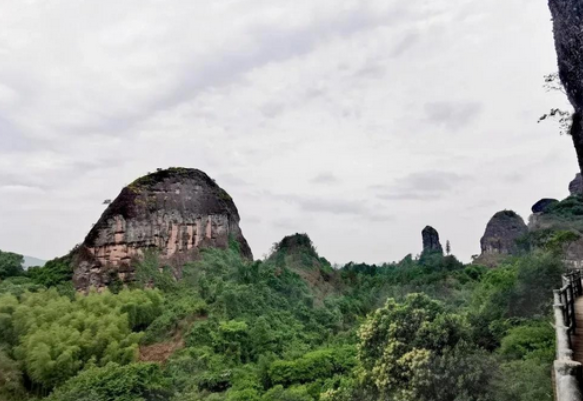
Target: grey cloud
271, 44
12, 139
452, 115
272, 109
252, 219
433, 181
420, 186
408, 196
285, 224
334, 206
371, 70
49, 176
17, 188
513, 177
325, 178
231, 180
405, 44
379, 218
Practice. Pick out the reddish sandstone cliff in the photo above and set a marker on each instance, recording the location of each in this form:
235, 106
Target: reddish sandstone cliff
175, 212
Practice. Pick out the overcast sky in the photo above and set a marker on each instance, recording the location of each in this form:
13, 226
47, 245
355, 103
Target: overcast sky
358, 122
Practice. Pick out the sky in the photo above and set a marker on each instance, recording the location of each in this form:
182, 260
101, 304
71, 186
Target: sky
358, 122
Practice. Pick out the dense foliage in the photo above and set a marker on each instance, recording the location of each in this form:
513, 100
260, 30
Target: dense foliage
10, 265
54, 337
53, 273
287, 328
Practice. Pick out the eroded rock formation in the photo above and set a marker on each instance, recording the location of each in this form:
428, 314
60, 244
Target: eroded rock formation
431, 242
576, 186
568, 32
175, 212
502, 232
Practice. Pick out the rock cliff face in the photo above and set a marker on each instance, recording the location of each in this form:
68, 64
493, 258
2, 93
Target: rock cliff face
431, 242
576, 186
567, 28
568, 32
175, 212
499, 239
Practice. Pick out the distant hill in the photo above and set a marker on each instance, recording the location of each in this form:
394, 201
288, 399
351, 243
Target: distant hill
30, 261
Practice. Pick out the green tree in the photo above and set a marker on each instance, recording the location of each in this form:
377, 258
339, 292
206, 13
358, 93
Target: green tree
54, 272
56, 337
133, 382
406, 350
10, 265
11, 383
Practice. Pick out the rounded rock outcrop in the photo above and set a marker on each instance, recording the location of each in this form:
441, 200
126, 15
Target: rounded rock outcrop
501, 235
543, 205
174, 212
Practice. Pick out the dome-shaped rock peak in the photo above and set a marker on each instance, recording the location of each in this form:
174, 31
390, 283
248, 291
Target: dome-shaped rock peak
502, 232
174, 212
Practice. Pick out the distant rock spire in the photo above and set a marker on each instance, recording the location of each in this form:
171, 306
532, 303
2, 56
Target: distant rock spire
431, 242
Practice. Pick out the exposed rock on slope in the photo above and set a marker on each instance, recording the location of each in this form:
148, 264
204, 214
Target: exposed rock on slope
543, 205
538, 211
297, 253
174, 211
296, 244
499, 239
431, 242
568, 32
576, 186
561, 224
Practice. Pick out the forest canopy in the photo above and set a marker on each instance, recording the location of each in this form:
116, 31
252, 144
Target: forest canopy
287, 328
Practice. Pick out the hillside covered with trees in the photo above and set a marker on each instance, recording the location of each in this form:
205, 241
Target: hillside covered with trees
289, 327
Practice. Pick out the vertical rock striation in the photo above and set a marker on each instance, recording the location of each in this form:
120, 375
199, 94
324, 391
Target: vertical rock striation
174, 212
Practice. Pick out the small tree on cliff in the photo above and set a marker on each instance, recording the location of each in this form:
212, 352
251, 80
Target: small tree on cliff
563, 117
